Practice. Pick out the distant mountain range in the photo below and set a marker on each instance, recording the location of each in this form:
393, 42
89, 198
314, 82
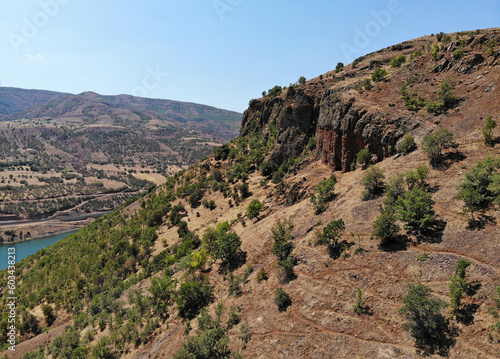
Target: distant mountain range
120, 141
18, 103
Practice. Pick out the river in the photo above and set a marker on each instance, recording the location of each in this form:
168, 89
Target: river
27, 248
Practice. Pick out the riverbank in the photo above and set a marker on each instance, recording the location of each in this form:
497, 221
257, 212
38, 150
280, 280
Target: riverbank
20, 231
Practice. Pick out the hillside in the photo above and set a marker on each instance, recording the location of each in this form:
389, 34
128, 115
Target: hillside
284, 205
88, 153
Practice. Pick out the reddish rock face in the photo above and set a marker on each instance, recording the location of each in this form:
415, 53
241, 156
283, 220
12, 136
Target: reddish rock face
342, 127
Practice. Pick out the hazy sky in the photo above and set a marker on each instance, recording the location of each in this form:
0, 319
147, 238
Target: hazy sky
216, 52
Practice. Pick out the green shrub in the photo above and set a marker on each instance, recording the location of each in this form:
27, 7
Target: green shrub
367, 84
415, 208
489, 125
254, 208
435, 51
282, 235
413, 102
458, 285
302, 80
373, 182
275, 91
223, 245
324, 193
282, 299
331, 235
385, 227
379, 74
363, 157
458, 53
360, 307
339, 67
262, 275
446, 98
481, 186
434, 143
423, 314
408, 145
398, 61
48, 313
193, 294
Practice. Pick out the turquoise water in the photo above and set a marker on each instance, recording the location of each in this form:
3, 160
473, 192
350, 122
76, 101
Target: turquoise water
27, 248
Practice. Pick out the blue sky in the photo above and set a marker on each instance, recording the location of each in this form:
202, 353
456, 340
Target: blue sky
217, 52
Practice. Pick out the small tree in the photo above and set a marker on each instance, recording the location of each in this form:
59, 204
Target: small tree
339, 67
385, 227
282, 235
398, 60
302, 80
360, 307
481, 186
373, 182
193, 294
162, 290
331, 235
324, 193
379, 74
458, 285
282, 299
489, 126
415, 208
254, 209
408, 144
434, 143
223, 245
363, 157
367, 84
48, 313
423, 314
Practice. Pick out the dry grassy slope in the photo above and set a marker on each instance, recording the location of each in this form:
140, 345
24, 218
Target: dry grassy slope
321, 323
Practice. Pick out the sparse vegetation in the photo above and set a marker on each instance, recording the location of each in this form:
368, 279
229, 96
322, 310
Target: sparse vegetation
458, 285
398, 60
408, 145
331, 235
379, 74
446, 98
324, 194
489, 125
423, 315
480, 187
434, 143
373, 182
254, 209
282, 299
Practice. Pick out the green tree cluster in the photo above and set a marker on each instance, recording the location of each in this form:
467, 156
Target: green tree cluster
223, 244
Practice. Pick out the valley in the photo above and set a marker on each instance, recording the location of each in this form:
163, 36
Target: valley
89, 153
